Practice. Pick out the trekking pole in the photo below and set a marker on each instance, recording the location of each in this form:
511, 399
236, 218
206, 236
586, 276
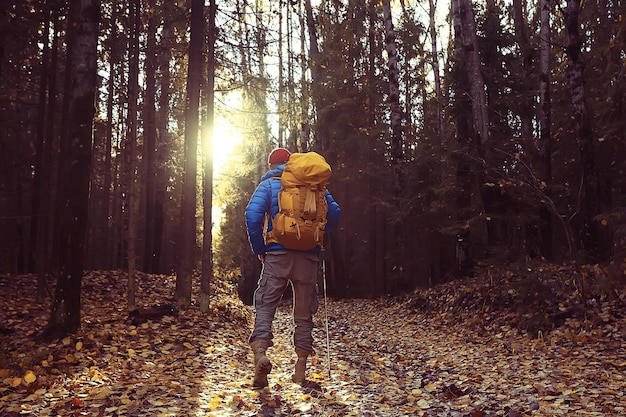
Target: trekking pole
326, 312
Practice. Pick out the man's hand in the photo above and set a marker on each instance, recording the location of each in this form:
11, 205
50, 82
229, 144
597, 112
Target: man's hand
261, 257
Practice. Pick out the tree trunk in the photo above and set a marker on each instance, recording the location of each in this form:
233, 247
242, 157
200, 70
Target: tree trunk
293, 115
476, 80
120, 190
42, 193
397, 152
315, 66
131, 150
399, 262
526, 52
187, 231
582, 131
436, 71
545, 134
305, 94
463, 112
149, 129
207, 188
314, 52
162, 149
281, 80
108, 160
39, 155
75, 170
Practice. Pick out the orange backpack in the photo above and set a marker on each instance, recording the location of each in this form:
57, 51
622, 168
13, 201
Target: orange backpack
302, 206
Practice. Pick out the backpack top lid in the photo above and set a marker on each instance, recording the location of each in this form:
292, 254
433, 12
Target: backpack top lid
308, 168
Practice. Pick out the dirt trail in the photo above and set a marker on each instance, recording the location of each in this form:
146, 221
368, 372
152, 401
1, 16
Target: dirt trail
386, 360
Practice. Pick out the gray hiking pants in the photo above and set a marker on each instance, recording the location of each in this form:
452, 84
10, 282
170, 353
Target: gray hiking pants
279, 268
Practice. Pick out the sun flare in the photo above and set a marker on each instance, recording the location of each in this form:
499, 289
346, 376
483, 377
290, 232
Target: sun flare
226, 137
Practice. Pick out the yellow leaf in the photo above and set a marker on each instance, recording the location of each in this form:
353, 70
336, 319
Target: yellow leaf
79, 345
16, 382
430, 387
423, 404
30, 377
131, 351
95, 375
133, 332
215, 403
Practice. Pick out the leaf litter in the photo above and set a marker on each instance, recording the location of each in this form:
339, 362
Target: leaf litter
469, 348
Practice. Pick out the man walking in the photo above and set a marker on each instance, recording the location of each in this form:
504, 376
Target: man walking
280, 267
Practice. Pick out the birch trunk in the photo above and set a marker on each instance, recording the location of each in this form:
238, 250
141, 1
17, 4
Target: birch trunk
397, 153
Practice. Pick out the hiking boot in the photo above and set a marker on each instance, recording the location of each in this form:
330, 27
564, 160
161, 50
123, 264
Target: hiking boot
262, 365
300, 369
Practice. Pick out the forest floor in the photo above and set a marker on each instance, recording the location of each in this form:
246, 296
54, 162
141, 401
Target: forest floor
505, 343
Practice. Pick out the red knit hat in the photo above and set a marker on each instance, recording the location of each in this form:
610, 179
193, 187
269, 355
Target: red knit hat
278, 156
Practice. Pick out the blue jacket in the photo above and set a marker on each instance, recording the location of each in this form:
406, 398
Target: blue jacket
265, 200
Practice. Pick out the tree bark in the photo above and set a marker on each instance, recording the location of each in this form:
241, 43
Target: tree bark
478, 96
583, 134
436, 71
42, 194
545, 134
207, 189
305, 93
131, 150
108, 161
149, 129
162, 149
526, 52
75, 170
463, 119
397, 152
187, 231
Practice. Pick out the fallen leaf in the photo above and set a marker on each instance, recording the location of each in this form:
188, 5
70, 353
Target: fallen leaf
30, 377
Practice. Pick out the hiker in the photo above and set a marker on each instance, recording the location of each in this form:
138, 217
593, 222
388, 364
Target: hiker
281, 266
